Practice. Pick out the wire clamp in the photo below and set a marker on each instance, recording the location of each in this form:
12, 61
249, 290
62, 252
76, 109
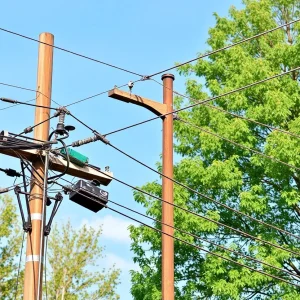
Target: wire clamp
145, 77
61, 110
175, 117
58, 198
27, 226
101, 137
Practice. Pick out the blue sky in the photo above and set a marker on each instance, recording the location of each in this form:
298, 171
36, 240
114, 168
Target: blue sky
142, 36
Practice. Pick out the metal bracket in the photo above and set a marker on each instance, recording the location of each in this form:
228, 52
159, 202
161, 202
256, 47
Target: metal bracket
61, 110
27, 225
175, 117
58, 198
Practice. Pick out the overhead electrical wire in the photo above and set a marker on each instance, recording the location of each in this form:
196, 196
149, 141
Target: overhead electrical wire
102, 93
216, 202
10, 106
202, 56
11, 143
231, 113
30, 128
199, 238
26, 103
207, 100
10, 188
180, 110
194, 191
17, 87
93, 96
26, 137
206, 241
204, 250
225, 48
190, 244
212, 220
25, 89
237, 144
71, 52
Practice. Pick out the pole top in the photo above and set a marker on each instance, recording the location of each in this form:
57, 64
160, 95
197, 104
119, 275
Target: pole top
167, 76
46, 34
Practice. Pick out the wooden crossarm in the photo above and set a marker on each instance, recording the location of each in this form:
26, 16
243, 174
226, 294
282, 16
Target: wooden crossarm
154, 106
58, 164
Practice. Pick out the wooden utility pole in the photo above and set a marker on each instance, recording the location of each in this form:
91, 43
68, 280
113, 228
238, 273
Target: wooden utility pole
167, 192
39, 159
160, 109
35, 238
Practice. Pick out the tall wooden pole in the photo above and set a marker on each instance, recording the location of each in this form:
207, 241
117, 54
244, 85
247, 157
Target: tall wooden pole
167, 193
35, 239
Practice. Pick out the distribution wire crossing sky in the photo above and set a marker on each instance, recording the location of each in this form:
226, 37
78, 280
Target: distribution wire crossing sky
144, 37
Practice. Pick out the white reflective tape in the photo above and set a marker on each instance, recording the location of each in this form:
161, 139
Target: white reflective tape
36, 216
30, 258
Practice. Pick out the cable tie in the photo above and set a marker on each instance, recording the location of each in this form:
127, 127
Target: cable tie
101, 137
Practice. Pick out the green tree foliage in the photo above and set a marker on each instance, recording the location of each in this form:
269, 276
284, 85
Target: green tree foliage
9, 248
74, 273
72, 256
253, 184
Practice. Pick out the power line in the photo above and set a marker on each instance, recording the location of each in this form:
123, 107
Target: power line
207, 100
205, 250
207, 197
190, 244
10, 188
30, 128
10, 106
71, 52
25, 103
19, 267
232, 114
26, 89
205, 240
102, 93
225, 48
193, 190
237, 144
17, 87
200, 216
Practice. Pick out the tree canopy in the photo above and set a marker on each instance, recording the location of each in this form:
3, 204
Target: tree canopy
74, 272
242, 179
73, 255
10, 240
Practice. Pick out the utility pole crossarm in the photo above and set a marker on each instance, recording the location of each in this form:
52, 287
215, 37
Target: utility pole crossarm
154, 106
58, 164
